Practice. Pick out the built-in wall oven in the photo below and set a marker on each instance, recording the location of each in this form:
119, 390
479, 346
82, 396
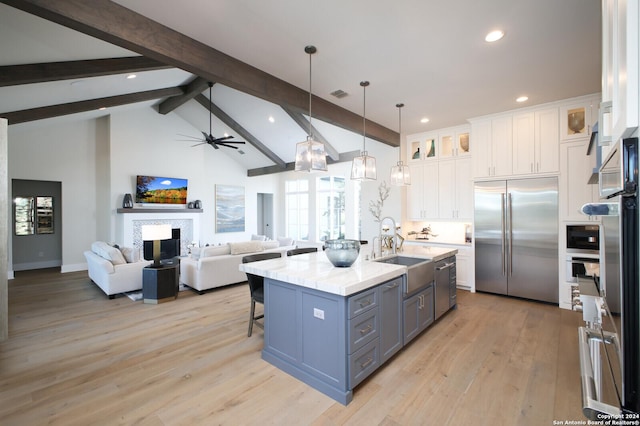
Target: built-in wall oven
582, 258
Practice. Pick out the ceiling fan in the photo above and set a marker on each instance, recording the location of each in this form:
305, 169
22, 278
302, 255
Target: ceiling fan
209, 138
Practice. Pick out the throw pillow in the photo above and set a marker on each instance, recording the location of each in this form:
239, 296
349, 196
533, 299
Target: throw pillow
285, 241
105, 251
267, 245
255, 237
130, 255
245, 247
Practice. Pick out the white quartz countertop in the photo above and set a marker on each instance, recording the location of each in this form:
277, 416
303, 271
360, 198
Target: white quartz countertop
427, 252
314, 270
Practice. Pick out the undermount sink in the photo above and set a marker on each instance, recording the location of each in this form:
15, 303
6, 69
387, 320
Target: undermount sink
420, 272
402, 260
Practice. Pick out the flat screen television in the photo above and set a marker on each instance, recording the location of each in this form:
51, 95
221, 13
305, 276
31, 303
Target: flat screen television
161, 190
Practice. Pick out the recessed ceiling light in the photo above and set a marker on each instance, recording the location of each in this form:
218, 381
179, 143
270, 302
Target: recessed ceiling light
494, 36
271, 119
424, 120
522, 99
131, 76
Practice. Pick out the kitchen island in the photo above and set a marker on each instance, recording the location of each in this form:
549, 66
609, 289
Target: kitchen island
332, 327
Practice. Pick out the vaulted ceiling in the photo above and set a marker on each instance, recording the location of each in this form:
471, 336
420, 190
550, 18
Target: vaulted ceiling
69, 57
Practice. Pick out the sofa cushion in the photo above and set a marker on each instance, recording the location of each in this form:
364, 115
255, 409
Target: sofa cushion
108, 252
271, 244
255, 237
285, 241
214, 251
245, 247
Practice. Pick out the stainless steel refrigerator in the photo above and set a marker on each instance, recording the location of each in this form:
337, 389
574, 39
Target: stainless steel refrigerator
516, 238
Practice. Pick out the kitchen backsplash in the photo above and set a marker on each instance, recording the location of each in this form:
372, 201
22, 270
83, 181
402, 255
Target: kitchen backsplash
441, 232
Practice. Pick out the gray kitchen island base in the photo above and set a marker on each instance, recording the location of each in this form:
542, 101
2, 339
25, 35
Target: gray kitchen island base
328, 341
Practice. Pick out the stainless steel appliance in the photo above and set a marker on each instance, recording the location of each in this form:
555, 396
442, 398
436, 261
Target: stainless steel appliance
610, 343
516, 238
583, 239
445, 288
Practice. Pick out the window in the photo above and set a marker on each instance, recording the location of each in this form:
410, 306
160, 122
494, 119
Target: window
297, 209
330, 202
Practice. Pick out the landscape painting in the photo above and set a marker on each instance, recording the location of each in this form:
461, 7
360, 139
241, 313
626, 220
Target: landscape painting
161, 190
229, 208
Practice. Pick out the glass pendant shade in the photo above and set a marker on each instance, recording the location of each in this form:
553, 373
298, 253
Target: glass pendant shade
400, 175
363, 167
310, 156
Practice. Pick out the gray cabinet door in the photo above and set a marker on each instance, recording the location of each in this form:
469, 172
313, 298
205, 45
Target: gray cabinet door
418, 313
390, 318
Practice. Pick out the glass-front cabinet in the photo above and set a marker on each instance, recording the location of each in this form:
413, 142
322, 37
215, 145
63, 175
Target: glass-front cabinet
454, 142
422, 146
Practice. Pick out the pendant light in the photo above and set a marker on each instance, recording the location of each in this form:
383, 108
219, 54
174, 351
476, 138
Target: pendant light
400, 174
364, 166
310, 154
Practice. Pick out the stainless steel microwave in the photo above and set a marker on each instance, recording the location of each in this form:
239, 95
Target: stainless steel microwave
617, 175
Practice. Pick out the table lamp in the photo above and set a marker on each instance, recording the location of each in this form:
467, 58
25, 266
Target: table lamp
156, 233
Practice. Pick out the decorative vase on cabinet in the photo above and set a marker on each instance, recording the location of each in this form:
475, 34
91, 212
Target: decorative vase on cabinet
432, 149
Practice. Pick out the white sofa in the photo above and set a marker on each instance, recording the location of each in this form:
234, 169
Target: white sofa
216, 266
110, 270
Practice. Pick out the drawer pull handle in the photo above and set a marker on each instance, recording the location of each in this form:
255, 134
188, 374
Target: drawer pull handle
366, 329
394, 285
365, 303
366, 363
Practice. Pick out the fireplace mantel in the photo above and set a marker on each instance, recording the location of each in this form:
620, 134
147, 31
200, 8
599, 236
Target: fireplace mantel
161, 210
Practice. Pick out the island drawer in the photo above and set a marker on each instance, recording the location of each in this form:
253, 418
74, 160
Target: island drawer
362, 302
363, 362
362, 329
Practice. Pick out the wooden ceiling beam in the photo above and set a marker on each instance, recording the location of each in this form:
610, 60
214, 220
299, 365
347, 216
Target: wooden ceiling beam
13, 75
242, 132
193, 89
51, 111
118, 25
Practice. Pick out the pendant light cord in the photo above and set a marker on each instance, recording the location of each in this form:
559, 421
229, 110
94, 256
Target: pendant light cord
399, 130
210, 100
364, 85
310, 126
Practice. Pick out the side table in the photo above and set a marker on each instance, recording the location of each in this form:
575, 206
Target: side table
159, 284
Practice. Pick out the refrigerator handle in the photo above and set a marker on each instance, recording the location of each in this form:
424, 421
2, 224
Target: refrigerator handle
510, 233
503, 233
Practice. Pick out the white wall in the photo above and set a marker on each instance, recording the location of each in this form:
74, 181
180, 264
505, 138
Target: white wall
97, 161
63, 151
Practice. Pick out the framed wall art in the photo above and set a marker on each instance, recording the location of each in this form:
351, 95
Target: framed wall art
229, 208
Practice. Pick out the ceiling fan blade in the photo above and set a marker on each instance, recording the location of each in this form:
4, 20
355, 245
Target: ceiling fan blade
238, 142
225, 145
198, 144
193, 138
223, 138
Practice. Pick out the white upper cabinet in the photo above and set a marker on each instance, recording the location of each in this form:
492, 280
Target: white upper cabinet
492, 139
454, 142
422, 194
620, 69
575, 170
535, 142
455, 189
422, 146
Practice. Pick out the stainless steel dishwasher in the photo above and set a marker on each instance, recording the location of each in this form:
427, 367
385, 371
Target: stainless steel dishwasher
445, 289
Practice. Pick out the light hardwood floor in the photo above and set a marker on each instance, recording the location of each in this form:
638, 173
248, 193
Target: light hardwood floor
75, 357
